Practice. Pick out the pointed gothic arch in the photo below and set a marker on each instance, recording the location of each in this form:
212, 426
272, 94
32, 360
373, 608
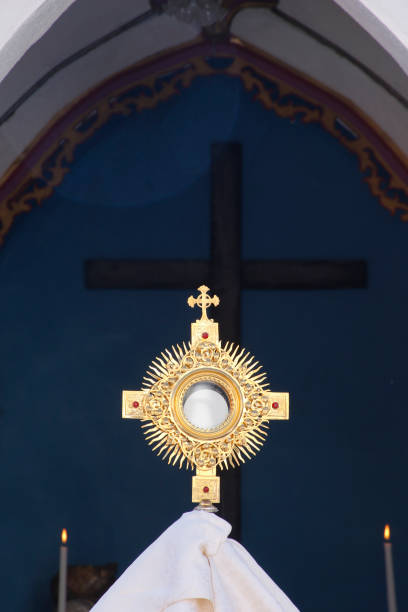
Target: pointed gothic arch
276, 86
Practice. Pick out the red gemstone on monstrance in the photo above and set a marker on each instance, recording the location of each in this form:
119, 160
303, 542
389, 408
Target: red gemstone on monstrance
135, 404
204, 335
205, 489
275, 405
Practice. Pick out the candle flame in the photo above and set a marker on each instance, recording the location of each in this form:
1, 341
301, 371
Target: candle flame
387, 532
64, 536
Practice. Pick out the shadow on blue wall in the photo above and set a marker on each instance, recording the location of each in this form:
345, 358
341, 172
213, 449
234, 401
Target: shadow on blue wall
316, 498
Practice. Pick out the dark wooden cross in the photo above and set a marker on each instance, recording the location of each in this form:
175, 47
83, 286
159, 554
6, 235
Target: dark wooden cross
227, 275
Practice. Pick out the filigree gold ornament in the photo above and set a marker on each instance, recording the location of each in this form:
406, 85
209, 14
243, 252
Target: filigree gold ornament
280, 94
206, 404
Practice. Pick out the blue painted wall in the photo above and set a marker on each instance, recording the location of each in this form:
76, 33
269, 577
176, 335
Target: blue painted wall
316, 498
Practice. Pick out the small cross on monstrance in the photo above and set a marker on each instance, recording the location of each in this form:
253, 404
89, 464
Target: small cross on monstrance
203, 301
205, 405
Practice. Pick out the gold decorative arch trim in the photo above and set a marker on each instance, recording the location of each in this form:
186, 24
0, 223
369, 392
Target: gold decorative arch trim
290, 94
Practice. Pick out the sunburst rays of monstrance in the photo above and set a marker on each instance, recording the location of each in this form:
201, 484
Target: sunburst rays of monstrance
205, 404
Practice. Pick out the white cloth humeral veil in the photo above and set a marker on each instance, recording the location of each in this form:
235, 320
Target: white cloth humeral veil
194, 567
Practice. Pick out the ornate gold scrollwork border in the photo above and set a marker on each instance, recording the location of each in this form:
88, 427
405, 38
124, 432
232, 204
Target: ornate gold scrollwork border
290, 94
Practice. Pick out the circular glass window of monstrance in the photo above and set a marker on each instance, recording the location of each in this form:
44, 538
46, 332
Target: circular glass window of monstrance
206, 406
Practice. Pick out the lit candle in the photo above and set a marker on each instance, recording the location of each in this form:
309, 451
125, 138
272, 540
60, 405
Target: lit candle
62, 584
389, 571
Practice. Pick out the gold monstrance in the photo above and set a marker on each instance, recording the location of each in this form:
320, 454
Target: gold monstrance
205, 405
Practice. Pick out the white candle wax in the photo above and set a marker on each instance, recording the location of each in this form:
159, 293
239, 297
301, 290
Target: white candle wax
389, 577
62, 583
